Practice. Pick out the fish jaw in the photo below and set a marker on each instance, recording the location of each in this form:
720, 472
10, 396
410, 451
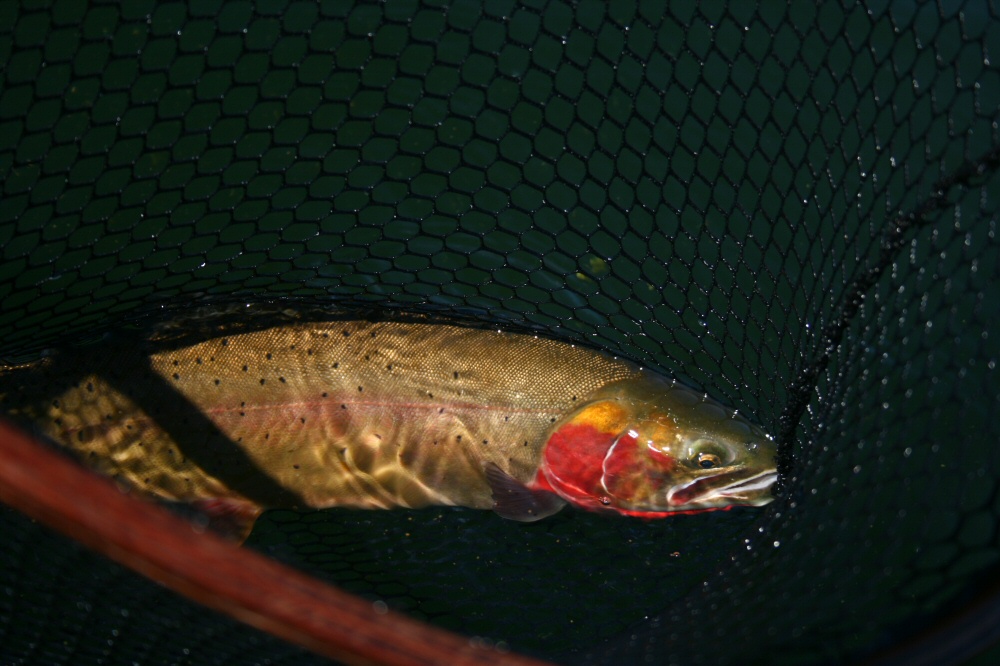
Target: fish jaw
728, 488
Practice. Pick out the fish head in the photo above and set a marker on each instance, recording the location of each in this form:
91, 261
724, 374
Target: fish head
652, 448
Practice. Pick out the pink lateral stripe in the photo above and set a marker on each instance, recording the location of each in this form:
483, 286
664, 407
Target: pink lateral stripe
330, 402
375, 403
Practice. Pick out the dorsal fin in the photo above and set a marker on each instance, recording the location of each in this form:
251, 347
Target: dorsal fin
516, 501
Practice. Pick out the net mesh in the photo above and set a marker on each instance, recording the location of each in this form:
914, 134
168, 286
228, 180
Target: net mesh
710, 192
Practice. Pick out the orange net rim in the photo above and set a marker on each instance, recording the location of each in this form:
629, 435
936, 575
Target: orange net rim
238, 582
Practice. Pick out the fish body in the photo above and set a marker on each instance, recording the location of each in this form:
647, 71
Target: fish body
381, 415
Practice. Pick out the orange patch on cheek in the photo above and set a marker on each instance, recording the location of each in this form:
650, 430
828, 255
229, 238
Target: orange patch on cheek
607, 416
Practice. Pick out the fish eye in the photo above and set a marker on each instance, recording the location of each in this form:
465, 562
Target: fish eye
708, 460
709, 454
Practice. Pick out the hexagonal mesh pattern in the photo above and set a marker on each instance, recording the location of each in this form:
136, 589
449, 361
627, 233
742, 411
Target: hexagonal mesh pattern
710, 192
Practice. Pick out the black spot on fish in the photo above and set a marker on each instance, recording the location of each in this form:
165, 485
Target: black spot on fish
225, 342
262, 380
389, 367
574, 397
440, 410
347, 333
309, 352
176, 362
324, 394
373, 334
459, 438
456, 374
552, 420
176, 376
291, 346
90, 387
295, 466
245, 368
282, 380
336, 365
55, 403
268, 356
343, 406
377, 436
217, 382
506, 418
243, 404
368, 357
486, 441
267, 435
525, 442
326, 335
198, 360
302, 418
243, 413
360, 389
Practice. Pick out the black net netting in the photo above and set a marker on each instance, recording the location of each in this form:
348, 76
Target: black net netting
792, 207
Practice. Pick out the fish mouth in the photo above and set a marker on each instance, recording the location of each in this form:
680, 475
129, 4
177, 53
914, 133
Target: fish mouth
736, 488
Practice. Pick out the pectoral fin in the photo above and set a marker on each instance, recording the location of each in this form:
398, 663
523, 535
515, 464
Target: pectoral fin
229, 518
516, 501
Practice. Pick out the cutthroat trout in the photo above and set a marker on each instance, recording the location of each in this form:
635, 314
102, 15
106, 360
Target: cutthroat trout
381, 415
